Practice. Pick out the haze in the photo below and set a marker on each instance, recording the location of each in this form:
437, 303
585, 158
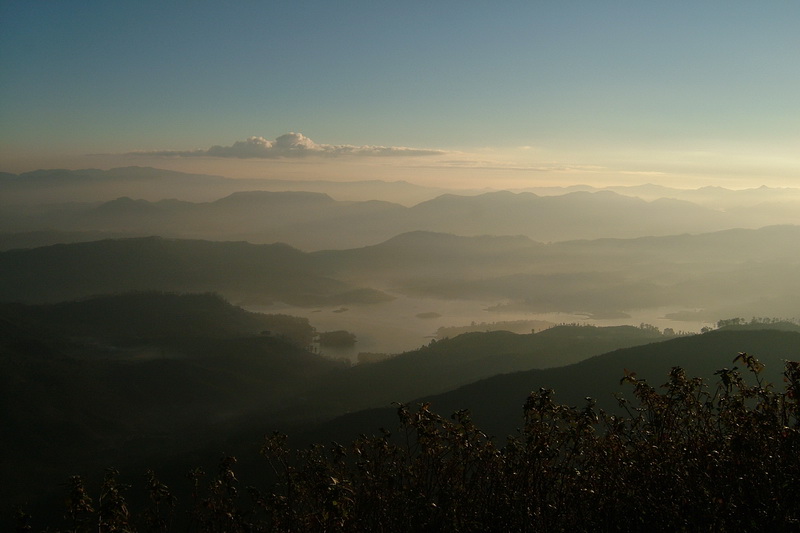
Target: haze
222, 219
404, 125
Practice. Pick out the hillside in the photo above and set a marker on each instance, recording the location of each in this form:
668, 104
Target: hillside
495, 403
164, 380
238, 270
709, 275
116, 380
698, 277
147, 316
450, 363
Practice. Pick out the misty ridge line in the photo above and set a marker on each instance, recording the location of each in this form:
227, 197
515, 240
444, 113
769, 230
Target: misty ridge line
668, 252
186, 185
706, 276
314, 220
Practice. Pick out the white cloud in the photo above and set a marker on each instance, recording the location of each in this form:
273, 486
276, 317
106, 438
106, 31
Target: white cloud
291, 145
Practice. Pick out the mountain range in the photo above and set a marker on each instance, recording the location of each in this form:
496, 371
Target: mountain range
311, 220
129, 335
95, 185
708, 276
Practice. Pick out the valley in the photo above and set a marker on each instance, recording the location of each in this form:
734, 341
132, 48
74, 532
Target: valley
153, 333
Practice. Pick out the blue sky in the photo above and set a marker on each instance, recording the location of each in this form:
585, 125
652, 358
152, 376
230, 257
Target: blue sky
683, 93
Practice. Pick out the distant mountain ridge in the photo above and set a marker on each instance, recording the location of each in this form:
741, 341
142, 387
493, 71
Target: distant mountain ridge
728, 273
204, 187
153, 184
314, 221
322, 215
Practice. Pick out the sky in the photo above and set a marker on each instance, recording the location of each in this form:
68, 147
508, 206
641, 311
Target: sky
445, 93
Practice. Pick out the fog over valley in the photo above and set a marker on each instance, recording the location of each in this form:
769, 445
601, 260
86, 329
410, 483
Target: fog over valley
194, 311
394, 275
216, 307
399, 267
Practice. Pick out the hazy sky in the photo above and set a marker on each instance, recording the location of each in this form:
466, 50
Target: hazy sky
521, 93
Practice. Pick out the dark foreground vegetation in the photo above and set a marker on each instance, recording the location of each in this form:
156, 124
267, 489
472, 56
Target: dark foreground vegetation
685, 456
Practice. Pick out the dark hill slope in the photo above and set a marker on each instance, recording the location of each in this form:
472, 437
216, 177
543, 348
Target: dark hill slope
450, 363
34, 239
141, 317
238, 270
496, 402
76, 398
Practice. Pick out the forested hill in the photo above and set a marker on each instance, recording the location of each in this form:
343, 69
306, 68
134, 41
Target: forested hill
114, 380
701, 277
81, 392
495, 403
149, 315
238, 270
450, 363
135, 378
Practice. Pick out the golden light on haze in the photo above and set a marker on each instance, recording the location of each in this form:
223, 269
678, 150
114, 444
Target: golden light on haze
535, 94
704, 164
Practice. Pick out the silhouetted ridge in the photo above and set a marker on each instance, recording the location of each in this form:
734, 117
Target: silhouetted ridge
431, 240
126, 205
494, 402
268, 198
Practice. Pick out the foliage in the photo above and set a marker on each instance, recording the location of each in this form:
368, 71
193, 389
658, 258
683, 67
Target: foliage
788, 324
154, 316
337, 339
515, 326
682, 457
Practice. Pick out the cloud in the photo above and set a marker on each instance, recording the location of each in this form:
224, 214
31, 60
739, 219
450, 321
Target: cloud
291, 145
